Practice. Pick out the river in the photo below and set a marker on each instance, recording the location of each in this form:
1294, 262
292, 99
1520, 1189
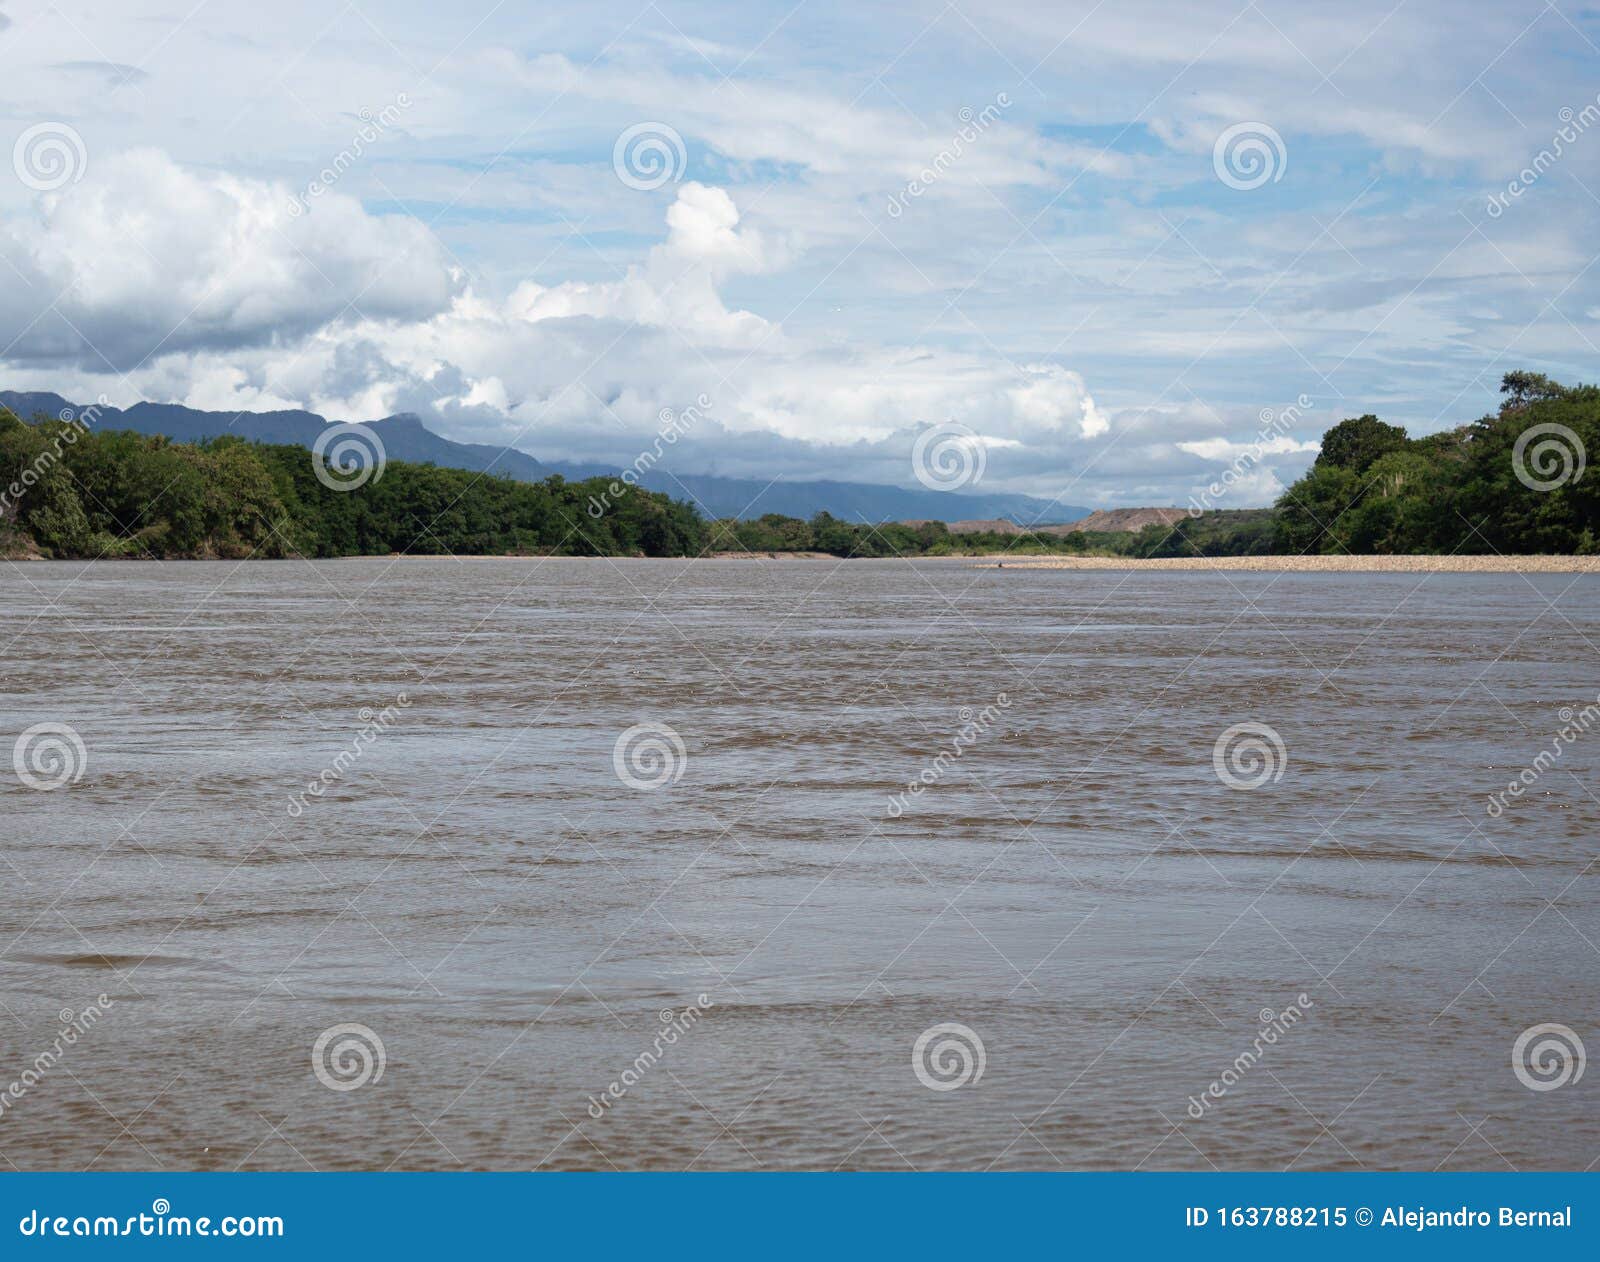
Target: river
920, 864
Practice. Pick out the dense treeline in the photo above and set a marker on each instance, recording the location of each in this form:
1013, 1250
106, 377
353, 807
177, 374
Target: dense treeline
68, 491
826, 533
1513, 482
1218, 533
1232, 532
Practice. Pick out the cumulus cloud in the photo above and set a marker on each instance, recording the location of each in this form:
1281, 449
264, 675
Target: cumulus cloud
358, 316
676, 286
145, 258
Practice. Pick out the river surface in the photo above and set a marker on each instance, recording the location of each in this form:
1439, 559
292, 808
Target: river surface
481, 889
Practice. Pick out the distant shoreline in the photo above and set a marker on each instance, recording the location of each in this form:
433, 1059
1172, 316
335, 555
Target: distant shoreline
1309, 564
1314, 564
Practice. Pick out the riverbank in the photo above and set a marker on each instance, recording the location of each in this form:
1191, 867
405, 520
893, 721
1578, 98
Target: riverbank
1476, 564
1340, 564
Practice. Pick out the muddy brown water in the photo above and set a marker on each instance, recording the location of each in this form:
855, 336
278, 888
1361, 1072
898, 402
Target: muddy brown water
479, 888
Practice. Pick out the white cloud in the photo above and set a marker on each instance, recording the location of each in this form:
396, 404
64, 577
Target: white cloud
581, 370
145, 257
1224, 449
1051, 399
676, 286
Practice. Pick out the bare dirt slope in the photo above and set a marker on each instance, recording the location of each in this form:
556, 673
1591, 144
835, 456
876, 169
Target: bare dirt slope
1129, 519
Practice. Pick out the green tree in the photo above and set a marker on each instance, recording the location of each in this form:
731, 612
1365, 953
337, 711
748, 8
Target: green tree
1522, 388
1312, 512
1356, 443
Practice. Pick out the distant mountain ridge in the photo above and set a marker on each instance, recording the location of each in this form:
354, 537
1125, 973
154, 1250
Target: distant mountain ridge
405, 437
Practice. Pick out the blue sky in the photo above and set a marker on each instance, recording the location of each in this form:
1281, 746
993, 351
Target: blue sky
1085, 284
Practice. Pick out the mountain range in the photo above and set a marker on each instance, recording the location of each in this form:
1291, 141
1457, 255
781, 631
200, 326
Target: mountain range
405, 437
